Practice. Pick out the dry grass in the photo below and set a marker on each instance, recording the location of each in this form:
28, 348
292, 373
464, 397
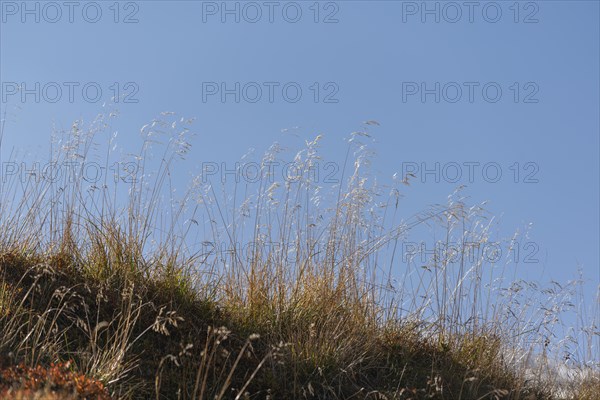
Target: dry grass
151, 296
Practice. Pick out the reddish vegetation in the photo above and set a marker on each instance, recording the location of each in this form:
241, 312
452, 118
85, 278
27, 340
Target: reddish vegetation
56, 381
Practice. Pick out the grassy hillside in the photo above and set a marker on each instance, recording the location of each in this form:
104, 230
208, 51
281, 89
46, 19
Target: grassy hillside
122, 290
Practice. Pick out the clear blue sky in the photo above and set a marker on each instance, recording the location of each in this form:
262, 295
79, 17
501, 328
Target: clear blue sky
371, 58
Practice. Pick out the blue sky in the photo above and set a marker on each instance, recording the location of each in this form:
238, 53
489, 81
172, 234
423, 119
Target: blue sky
353, 61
